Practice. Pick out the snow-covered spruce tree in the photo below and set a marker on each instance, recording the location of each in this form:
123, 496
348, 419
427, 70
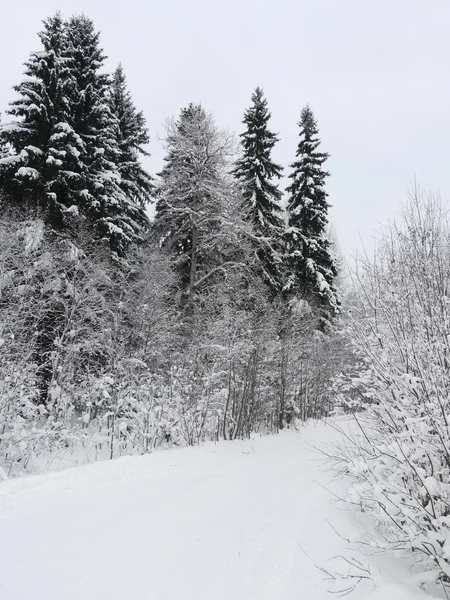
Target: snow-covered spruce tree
399, 455
115, 214
257, 173
132, 136
196, 220
62, 152
41, 165
312, 268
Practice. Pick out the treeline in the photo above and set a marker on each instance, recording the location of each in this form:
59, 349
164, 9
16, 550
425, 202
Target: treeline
217, 318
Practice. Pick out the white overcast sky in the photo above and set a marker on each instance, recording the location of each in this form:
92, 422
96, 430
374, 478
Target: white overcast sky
376, 74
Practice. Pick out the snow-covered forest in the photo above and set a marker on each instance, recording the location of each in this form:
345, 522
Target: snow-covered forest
210, 302
122, 334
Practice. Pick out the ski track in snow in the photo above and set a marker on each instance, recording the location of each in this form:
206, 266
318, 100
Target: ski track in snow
236, 520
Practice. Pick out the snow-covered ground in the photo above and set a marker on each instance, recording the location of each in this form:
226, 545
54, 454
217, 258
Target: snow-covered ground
237, 521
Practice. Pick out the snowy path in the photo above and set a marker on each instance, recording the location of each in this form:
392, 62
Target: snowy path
235, 521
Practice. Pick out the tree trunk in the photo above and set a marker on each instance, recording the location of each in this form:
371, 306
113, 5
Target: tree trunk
193, 268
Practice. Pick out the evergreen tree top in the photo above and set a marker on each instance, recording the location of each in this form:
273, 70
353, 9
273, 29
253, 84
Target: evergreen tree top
308, 122
307, 193
40, 76
258, 141
132, 124
312, 267
258, 109
52, 35
86, 54
256, 170
131, 136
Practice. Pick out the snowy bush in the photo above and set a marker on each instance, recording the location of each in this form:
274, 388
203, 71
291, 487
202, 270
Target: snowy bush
400, 460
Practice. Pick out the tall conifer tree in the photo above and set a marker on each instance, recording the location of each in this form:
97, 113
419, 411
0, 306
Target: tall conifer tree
132, 136
41, 166
63, 151
312, 268
257, 174
116, 215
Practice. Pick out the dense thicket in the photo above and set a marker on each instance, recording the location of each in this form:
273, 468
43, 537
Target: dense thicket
398, 457
117, 335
